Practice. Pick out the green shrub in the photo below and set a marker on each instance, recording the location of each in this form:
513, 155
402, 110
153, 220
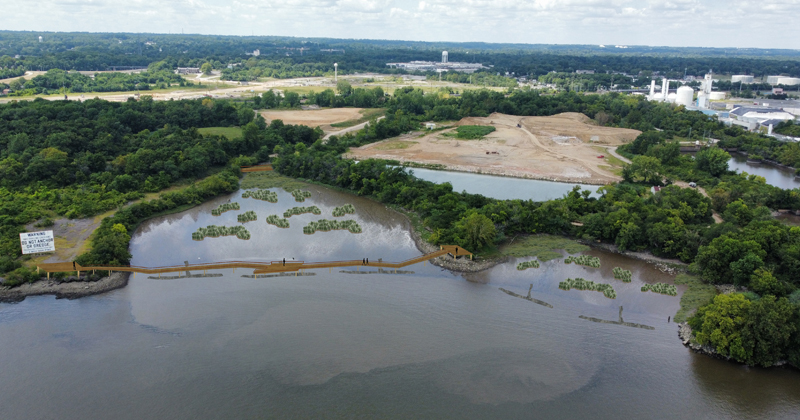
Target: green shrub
8, 264
224, 207
345, 209
264, 195
21, 275
528, 264
329, 225
300, 195
46, 222
472, 132
213, 231
663, 288
248, 216
583, 284
586, 260
295, 211
273, 219
622, 274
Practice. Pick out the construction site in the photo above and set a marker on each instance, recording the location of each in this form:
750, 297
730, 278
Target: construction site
566, 147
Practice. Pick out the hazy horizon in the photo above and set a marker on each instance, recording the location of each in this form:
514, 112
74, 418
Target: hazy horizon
656, 23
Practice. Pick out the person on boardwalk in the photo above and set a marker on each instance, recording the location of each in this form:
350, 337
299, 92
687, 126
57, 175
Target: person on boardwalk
668, 318
284, 261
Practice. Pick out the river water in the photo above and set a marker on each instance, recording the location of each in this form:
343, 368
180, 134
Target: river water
428, 344
779, 177
502, 188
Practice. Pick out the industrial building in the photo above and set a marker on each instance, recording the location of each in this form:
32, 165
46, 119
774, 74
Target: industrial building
789, 81
444, 65
743, 78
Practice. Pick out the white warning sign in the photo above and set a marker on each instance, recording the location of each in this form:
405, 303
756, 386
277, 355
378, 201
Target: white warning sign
35, 242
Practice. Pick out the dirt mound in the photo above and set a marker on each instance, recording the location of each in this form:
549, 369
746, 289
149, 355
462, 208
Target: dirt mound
563, 147
313, 118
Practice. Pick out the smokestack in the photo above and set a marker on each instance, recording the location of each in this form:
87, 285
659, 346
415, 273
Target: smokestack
769, 130
652, 89
665, 89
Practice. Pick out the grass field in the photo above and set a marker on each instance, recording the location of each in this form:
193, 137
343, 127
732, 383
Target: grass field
541, 246
229, 132
395, 145
270, 180
366, 115
697, 295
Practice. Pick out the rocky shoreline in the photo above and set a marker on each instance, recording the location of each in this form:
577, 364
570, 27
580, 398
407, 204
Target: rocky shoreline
461, 265
665, 265
69, 288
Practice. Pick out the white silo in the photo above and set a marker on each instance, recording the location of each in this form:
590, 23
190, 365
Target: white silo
444, 57
685, 96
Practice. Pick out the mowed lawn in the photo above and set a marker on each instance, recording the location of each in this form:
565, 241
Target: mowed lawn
229, 132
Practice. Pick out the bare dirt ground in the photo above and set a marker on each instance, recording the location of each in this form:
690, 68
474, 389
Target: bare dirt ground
316, 117
71, 237
558, 148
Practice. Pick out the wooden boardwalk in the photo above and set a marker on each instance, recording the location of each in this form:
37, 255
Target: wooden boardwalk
258, 267
257, 168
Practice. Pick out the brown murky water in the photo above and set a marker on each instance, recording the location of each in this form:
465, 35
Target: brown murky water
431, 344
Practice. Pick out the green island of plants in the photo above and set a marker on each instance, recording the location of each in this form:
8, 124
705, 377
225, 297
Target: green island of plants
663, 288
583, 284
274, 219
528, 264
223, 208
345, 209
294, 211
472, 132
622, 274
264, 195
586, 260
213, 231
300, 195
329, 225
248, 216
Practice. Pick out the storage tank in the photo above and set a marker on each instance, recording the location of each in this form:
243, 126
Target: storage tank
789, 81
716, 96
773, 80
672, 97
685, 96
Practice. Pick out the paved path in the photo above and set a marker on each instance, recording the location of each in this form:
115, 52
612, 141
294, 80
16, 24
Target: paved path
613, 151
349, 129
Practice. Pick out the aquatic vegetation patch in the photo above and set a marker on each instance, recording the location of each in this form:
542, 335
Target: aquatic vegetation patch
586, 260
345, 209
274, 219
663, 288
329, 225
213, 231
224, 207
622, 274
541, 246
528, 264
583, 284
300, 195
264, 195
295, 211
248, 216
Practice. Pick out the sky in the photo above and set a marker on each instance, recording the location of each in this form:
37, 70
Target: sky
698, 23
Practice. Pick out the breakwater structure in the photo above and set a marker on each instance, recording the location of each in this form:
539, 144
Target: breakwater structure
528, 298
269, 267
620, 322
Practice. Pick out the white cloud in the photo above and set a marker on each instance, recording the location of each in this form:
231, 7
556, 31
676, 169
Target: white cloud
743, 23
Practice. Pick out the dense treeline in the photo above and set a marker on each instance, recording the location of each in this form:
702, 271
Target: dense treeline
479, 78
281, 56
59, 81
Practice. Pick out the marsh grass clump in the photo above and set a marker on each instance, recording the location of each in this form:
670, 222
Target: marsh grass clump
663, 288
329, 225
586, 260
213, 231
223, 208
583, 284
622, 274
528, 264
345, 209
264, 195
273, 219
301, 195
294, 211
248, 216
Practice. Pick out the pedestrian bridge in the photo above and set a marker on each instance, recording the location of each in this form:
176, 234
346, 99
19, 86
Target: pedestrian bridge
257, 267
